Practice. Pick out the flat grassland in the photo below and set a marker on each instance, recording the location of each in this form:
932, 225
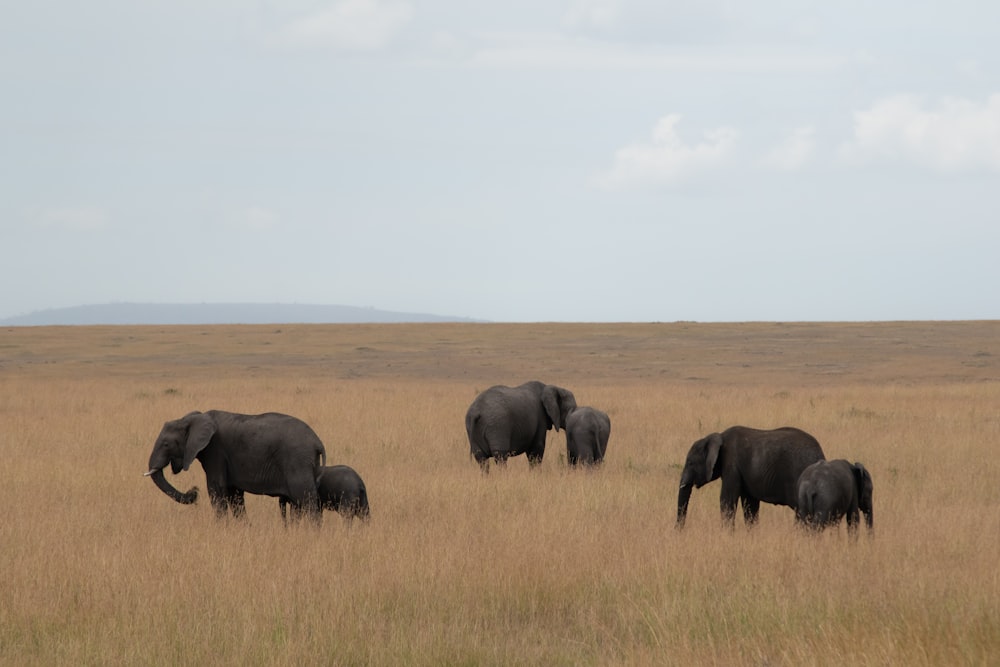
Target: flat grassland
544, 567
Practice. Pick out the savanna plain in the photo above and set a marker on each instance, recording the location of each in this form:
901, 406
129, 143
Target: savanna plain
550, 566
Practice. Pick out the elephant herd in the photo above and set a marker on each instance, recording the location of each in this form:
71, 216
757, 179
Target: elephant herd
281, 456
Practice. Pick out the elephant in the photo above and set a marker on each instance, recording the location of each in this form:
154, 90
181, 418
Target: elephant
829, 490
587, 432
508, 421
755, 465
342, 490
269, 454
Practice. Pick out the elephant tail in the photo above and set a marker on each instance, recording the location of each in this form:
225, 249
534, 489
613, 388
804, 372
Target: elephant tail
471, 418
320, 462
806, 510
476, 441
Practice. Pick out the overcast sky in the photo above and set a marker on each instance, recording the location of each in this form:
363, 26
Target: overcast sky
581, 160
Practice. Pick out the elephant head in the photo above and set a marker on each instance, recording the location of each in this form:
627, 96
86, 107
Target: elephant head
699, 470
558, 403
178, 444
863, 479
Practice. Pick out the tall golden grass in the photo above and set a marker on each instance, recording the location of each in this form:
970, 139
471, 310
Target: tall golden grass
549, 566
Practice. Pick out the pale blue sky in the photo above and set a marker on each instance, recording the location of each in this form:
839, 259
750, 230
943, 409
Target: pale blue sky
587, 160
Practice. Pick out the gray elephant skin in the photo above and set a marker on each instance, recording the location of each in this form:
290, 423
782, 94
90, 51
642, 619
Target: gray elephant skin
755, 466
830, 490
508, 421
341, 490
587, 433
269, 454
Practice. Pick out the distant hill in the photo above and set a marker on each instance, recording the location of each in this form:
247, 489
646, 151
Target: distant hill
217, 313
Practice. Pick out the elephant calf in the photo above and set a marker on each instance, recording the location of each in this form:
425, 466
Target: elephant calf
587, 433
830, 490
342, 490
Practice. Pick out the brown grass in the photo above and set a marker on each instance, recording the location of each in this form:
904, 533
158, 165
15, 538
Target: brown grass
550, 566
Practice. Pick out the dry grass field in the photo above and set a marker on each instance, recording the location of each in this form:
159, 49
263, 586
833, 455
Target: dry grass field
541, 567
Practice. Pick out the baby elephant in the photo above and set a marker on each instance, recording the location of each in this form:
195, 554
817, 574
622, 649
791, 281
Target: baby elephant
587, 432
342, 490
828, 490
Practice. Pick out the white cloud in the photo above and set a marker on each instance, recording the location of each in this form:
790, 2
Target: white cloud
954, 134
793, 152
77, 218
666, 160
350, 25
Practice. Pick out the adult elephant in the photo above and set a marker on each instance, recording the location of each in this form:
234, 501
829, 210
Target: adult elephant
830, 490
587, 433
507, 421
341, 490
755, 466
270, 454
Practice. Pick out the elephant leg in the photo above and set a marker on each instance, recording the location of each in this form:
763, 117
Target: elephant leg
807, 521
304, 496
313, 509
308, 506
237, 503
728, 508
535, 454
483, 460
598, 456
853, 522
302, 509
220, 501
751, 510
728, 499
536, 450
582, 456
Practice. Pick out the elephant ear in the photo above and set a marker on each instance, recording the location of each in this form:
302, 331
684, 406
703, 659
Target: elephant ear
550, 401
712, 448
567, 403
200, 431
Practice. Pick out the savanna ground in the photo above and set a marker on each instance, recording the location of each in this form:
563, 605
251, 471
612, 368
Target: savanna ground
542, 567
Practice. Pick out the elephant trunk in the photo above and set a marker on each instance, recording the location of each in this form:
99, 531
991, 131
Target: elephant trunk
163, 485
683, 495
870, 521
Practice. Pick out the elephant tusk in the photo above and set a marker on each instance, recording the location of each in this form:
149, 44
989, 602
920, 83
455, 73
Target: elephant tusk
150, 473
